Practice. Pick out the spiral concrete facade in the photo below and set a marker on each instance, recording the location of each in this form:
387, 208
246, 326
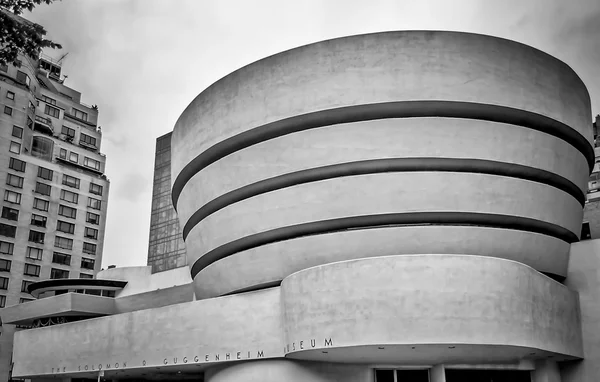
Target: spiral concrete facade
376, 202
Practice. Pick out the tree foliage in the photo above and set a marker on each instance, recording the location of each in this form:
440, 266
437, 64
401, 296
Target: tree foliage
18, 35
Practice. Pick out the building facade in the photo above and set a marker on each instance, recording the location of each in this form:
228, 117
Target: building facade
400, 206
52, 183
166, 249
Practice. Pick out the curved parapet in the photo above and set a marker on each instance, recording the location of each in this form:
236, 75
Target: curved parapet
382, 141
428, 308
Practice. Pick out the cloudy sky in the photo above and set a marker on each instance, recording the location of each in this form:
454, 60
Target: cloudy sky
143, 61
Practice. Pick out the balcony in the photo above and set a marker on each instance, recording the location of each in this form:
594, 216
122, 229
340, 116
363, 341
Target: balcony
43, 125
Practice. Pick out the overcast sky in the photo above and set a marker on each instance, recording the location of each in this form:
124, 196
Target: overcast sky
142, 62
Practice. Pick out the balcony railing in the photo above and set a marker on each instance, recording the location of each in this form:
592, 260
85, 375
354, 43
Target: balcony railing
44, 125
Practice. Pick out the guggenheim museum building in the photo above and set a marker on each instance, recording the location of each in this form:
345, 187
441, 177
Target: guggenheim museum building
390, 207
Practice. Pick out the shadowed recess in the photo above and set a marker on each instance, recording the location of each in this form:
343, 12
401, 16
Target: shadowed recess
478, 166
382, 221
401, 109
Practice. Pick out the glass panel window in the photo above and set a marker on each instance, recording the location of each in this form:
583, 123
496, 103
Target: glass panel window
59, 274
92, 218
8, 230
63, 242
40, 204
10, 213
49, 100
80, 114
25, 286
5, 265
12, 197
7, 110
14, 180
91, 163
4, 283
68, 132
87, 263
15, 147
32, 270
85, 276
65, 227
38, 220
91, 233
52, 111
17, 165
61, 258
94, 203
36, 237
63, 154
42, 188
23, 78
95, 189
89, 248
10, 95
24, 300
87, 140
42, 147
7, 248
34, 253
68, 212
69, 196
17, 132
30, 123
45, 173
73, 157
2, 301
70, 181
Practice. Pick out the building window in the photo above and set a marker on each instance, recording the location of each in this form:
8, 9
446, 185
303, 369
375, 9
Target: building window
8, 230
85, 276
89, 248
4, 68
30, 123
80, 114
91, 163
92, 218
10, 213
91, 233
87, 263
7, 248
63, 154
65, 227
5, 265
413, 375
36, 237
61, 258
17, 165
38, 220
24, 300
69, 196
95, 189
12, 197
45, 173
49, 100
31, 107
67, 211
94, 203
42, 147
43, 188
52, 111
70, 181
586, 233
73, 157
25, 286
4, 283
34, 253
59, 274
63, 242
2, 301
40, 204
7, 110
87, 140
32, 270
10, 95
14, 180
70, 133
23, 78
17, 132
15, 147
